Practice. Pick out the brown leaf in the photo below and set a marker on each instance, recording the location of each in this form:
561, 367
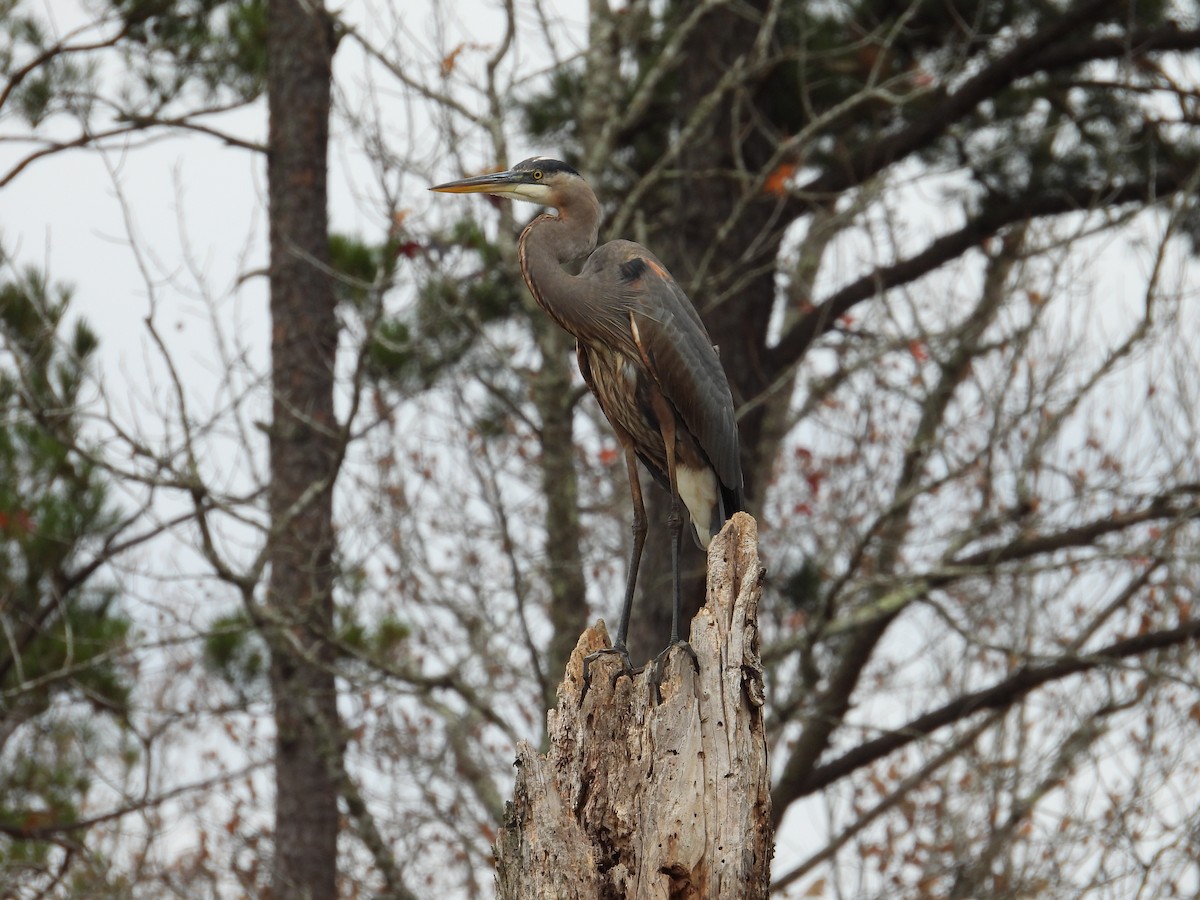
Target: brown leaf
776, 183
450, 59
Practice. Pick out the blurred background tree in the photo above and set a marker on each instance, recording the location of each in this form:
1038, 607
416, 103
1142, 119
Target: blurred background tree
65, 669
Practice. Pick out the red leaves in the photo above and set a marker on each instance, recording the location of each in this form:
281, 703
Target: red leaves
19, 522
406, 248
812, 477
777, 182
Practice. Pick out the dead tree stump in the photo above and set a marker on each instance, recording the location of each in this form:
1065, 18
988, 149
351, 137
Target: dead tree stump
648, 797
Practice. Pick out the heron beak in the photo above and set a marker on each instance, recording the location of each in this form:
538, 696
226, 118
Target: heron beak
492, 183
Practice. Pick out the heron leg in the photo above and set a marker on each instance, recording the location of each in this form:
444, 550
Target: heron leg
666, 424
639, 541
620, 646
675, 526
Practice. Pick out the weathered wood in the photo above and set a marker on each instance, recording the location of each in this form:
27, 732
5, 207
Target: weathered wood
642, 796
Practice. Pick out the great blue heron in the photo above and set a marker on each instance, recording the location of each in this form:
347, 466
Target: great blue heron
642, 351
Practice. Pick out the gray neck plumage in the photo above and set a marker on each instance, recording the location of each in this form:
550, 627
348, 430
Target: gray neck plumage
549, 241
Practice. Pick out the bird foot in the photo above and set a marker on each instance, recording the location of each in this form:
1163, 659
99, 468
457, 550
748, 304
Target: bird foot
622, 653
659, 664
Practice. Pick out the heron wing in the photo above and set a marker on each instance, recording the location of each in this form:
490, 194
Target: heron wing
676, 350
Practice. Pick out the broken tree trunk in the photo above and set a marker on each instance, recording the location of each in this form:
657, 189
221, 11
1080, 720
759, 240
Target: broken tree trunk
653, 794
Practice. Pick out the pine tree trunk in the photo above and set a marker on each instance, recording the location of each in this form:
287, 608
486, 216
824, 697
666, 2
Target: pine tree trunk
303, 453
645, 793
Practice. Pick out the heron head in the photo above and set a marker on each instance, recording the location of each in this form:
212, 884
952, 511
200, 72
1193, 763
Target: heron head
538, 179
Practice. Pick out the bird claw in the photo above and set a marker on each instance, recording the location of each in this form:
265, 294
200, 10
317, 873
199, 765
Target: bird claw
626, 666
660, 663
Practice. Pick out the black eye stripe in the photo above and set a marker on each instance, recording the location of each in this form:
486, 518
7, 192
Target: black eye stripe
545, 165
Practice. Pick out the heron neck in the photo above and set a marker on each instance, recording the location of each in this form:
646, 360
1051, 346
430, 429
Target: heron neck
548, 242
568, 236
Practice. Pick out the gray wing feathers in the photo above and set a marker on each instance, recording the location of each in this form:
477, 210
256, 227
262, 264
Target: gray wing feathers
690, 375
681, 355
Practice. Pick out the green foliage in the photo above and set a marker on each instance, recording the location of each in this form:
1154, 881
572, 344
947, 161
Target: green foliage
1063, 130
803, 586
219, 43
412, 349
380, 642
64, 637
389, 635
58, 84
80, 642
359, 266
41, 791
553, 114
167, 46
235, 651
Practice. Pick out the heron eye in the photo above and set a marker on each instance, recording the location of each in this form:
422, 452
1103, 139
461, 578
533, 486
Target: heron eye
537, 175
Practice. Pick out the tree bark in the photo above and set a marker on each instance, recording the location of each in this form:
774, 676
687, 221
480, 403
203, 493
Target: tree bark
645, 792
303, 453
